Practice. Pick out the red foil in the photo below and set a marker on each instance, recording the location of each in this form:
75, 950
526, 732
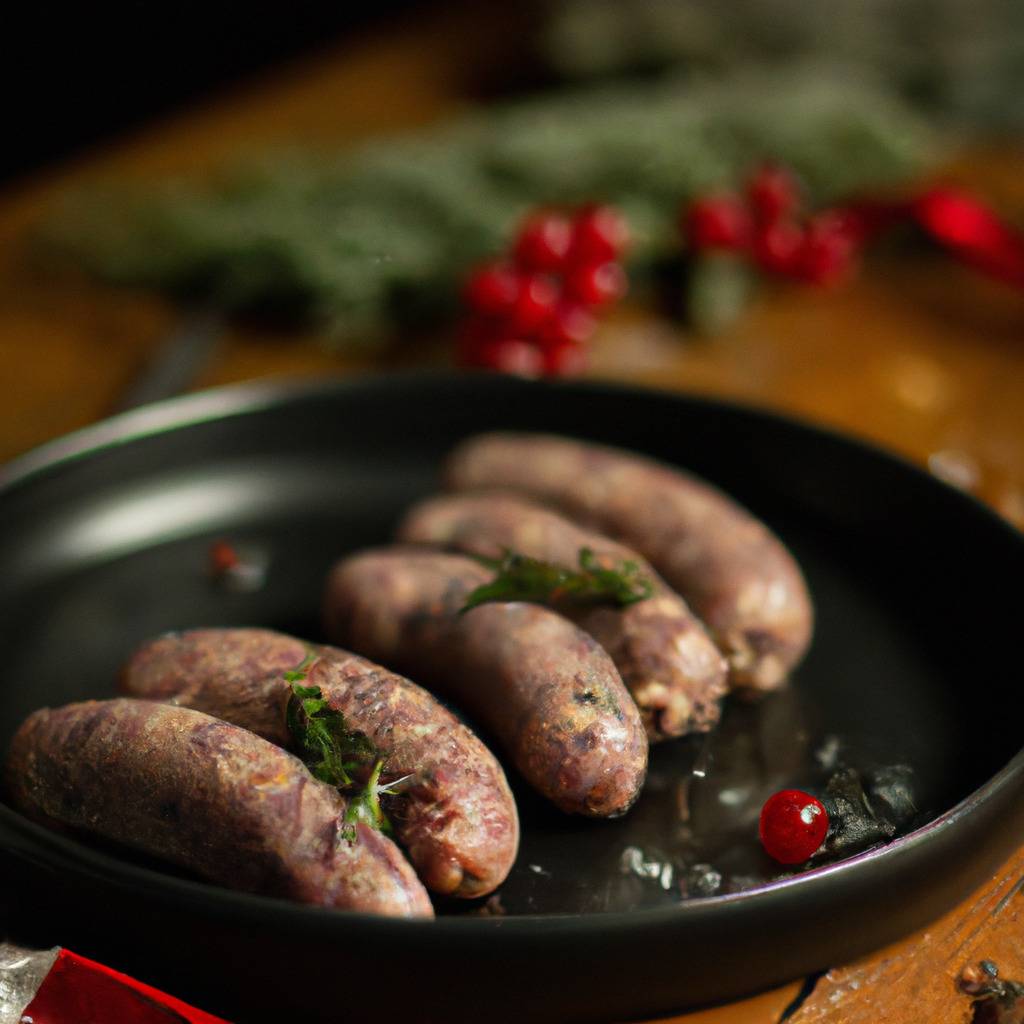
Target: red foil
80, 991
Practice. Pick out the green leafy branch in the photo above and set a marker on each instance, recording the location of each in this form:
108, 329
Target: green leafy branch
529, 579
336, 754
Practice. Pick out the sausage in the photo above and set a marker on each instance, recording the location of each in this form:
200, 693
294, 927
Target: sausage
546, 690
727, 565
208, 796
457, 819
663, 653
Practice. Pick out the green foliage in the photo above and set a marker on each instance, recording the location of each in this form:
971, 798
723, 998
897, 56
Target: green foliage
370, 242
959, 63
528, 579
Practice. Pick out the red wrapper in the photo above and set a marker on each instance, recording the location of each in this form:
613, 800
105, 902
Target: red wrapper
80, 991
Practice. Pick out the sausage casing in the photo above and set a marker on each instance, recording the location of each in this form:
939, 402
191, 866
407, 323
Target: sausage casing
733, 572
544, 688
665, 657
208, 796
455, 817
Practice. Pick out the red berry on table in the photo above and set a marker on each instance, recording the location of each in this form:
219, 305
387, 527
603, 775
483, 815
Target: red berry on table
534, 304
492, 289
570, 322
717, 222
774, 193
543, 242
778, 247
599, 235
512, 355
595, 284
829, 250
793, 825
565, 359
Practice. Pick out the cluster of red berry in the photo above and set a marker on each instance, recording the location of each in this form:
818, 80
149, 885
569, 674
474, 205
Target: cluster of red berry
769, 225
534, 312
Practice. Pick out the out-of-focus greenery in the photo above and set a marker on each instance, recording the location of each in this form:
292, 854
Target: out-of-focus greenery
375, 240
959, 61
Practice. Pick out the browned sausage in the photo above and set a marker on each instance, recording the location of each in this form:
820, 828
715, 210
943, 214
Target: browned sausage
666, 659
547, 690
456, 818
728, 566
209, 796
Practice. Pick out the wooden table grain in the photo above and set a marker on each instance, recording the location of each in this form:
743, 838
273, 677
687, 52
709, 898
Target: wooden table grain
923, 357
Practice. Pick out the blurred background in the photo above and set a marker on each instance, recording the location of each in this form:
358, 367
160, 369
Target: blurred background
815, 207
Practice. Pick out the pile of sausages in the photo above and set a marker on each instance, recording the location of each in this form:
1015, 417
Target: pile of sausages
193, 765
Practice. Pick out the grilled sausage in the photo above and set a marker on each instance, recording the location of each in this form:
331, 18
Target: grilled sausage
666, 659
546, 689
208, 796
456, 819
732, 571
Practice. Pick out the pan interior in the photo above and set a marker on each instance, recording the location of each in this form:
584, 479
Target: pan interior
102, 553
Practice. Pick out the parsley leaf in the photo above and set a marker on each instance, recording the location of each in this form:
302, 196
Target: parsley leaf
528, 579
336, 754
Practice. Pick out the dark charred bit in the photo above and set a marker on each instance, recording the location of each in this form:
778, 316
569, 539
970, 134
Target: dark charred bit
854, 822
994, 1001
891, 793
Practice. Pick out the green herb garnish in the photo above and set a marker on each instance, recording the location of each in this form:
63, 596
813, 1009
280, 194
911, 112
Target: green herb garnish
336, 754
365, 805
528, 579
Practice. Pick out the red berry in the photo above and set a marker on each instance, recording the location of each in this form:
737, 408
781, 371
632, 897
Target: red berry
565, 359
543, 242
829, 250
570, 322
793, 826
774, 193
596, 284
777, 247
535, 303
512, 355
717, 222
492, 289
222, 557
599, 234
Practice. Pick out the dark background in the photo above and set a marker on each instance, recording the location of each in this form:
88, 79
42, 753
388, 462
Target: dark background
73, 74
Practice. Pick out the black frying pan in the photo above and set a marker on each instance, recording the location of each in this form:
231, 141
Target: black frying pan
103, 541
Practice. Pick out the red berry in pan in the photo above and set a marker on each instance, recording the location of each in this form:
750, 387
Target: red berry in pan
222, 558
543, 242
492, 289
793, 825
774, 193
599, 234
596, 284
717, 222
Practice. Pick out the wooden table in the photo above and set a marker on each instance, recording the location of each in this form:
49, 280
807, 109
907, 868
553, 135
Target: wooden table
926, 358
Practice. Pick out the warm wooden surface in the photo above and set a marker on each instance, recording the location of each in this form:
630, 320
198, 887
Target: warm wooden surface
925, 358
